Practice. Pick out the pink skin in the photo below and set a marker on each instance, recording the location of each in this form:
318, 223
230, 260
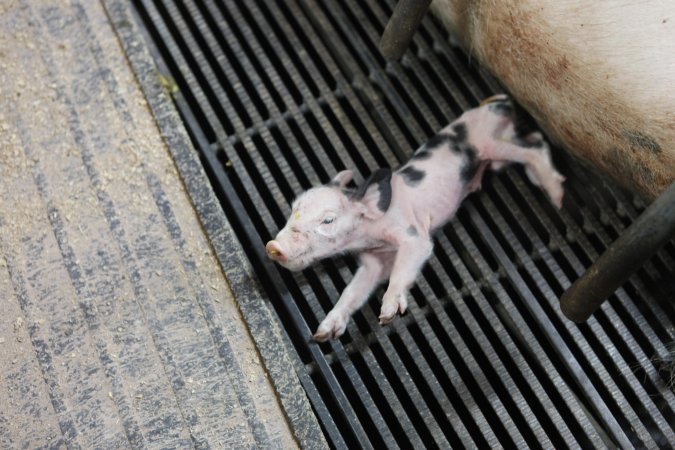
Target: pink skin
393, 239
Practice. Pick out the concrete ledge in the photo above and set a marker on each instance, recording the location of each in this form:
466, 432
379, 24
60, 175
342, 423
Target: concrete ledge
119, 327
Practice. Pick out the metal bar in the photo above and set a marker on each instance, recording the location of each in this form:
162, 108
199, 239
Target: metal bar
622, 390
594, 343
404, 21
538, 312
654, 227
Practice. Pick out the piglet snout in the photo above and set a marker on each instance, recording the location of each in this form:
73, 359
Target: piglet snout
274, 251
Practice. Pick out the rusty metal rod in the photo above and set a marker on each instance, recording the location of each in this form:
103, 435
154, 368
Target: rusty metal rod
649, 232
401, 27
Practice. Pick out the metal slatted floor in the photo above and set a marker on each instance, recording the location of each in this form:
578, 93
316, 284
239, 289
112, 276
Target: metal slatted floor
279, 96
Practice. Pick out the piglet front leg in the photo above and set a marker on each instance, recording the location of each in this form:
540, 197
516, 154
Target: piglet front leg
410, 257
374, 270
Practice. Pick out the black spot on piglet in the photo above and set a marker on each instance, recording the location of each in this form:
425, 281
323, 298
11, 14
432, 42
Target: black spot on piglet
436, 141
412, 176
381, 178
460, 132
471, 164
422, 153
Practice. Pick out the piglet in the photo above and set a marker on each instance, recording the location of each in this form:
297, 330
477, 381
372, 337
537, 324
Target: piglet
388, 221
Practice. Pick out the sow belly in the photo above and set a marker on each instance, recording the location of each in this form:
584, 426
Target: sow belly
599, 77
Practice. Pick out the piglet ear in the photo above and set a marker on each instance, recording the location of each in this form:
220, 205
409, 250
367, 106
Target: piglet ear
342, 178
375, 194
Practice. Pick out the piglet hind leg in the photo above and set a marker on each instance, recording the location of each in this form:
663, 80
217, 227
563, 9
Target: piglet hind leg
410, 258
538, 166
374, 270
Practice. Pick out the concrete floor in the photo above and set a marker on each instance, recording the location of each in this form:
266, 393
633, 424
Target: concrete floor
118, 327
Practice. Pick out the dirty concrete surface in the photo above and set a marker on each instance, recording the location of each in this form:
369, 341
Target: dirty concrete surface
118, 328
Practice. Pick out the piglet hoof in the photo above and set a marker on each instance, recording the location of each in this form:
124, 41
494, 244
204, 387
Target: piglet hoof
555, 189
332, 327
392, 305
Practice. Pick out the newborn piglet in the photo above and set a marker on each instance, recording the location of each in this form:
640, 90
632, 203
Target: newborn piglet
388, 221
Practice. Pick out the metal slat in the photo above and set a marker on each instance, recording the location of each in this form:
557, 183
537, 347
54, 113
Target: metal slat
492, 408
334, 22
541, 248
341, 399
558, 343
392, 396
489, 354
659, 309
412, 387
502, 225
345, 87
611, 388
328, 95
427, 114
627, 372
251, 149
614, 319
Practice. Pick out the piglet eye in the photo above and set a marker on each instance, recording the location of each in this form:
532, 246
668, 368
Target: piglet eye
328, 221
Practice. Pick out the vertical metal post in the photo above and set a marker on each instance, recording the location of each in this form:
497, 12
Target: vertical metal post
403, 23
654, 227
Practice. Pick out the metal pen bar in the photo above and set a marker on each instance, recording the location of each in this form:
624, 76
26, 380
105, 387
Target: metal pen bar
404, 21
654, 227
